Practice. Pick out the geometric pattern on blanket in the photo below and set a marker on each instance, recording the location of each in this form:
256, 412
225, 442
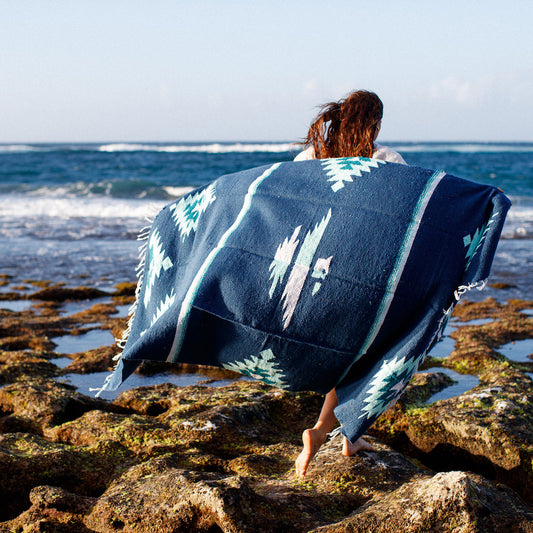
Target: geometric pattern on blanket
314, 274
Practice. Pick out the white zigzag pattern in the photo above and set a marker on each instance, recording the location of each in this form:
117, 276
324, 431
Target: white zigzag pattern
293, 288
157, 261
264, 368
187, 212
395, 372
345, 168
475, 241
164, 306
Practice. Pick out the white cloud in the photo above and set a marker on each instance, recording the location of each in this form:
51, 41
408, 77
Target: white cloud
458, 91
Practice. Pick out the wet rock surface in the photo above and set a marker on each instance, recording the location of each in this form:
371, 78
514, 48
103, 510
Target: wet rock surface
452, 501
198, 458
489, 429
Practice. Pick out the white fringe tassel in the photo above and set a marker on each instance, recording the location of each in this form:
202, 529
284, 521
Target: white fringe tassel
479, 285
446, 314
143, 235
335, 433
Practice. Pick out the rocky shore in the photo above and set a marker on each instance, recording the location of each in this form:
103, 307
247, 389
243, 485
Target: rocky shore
208, 458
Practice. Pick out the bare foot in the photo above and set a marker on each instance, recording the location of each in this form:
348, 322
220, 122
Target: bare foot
312, 439
360, 444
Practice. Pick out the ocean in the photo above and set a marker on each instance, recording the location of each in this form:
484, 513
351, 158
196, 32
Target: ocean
70, 213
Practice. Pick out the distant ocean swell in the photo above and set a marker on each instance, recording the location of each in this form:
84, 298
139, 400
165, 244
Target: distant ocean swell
127, 189
112, 181
213, 148
227, 148
72, 210
20, 213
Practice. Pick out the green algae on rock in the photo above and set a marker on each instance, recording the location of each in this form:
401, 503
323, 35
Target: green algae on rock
488, 429
171, 458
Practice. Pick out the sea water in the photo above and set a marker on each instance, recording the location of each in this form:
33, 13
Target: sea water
71, 213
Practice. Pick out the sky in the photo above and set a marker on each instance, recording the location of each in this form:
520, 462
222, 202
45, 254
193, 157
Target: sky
226, 70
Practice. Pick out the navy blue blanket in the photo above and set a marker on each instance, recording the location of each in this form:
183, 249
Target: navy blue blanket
312, 275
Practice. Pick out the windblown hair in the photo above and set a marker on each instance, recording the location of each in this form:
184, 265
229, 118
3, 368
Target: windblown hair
346, 128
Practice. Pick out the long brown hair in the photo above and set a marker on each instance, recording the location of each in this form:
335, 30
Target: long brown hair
346, 128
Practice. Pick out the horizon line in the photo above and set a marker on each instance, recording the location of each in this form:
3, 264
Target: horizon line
254, 141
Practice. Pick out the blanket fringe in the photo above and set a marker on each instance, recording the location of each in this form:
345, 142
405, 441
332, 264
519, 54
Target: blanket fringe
479, 285
335, 433
143, 235
101, 389
447, 313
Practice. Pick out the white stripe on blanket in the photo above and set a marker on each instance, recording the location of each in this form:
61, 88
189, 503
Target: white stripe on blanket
185, 310
399, 265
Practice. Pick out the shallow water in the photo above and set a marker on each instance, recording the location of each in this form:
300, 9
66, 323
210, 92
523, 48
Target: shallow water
446, 344
519, 351
71, 308
85, 382
91, 340
443, 348
61, 362
16, 305
464, 382
122, 311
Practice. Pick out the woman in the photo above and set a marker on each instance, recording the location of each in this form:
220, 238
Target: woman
348, 128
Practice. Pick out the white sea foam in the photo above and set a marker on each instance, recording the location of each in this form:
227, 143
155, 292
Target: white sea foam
521, 213
22, 206
519, 220
17, 148
214, 148
99, 189
469, 148
72, 190
61, 203
176, 192
248, 147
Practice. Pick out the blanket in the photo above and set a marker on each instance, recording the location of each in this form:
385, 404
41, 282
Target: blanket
313, 275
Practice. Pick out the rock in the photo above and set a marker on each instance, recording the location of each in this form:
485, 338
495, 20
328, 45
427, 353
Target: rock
488, 429
450, 501
27, 461
134, 432
167, 458
125, 289
47, 497
224, 422
97, 360
53, 509
16, 365
58, 293
425, 385
39, 403
150, 498
25, 342
157, 495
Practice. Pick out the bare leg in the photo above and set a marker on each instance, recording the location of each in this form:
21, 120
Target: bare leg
360, 444
316, 436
